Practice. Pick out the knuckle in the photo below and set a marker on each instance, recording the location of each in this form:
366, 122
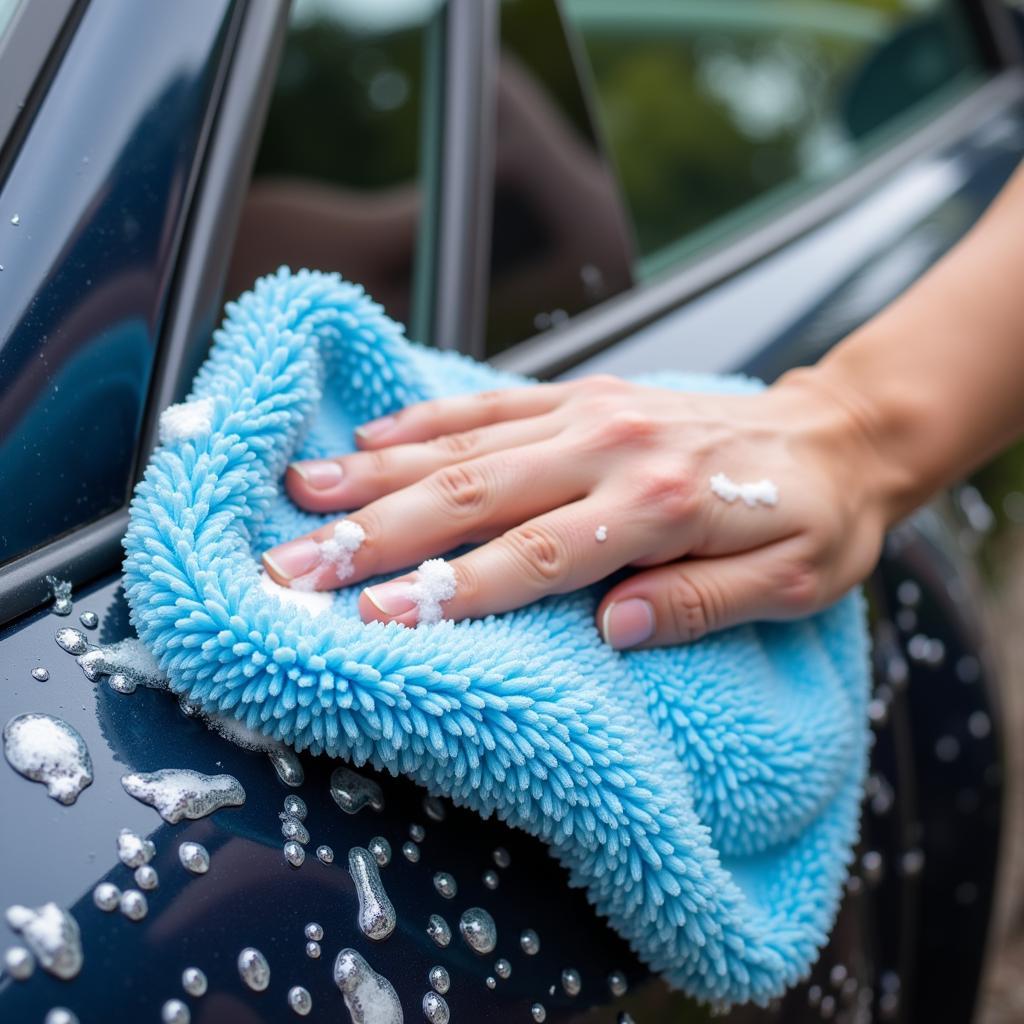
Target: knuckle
461, 488
671, 495
539, 554
800, 587
457, 444
602, 383
691, 607
379, 462
628, 427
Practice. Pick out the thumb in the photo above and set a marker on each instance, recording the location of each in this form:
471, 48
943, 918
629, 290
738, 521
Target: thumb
683, 601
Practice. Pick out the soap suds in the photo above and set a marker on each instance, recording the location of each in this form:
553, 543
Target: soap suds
601, 534
434, 584
314, 601
756, 492
335, 552
48, 750
186, 420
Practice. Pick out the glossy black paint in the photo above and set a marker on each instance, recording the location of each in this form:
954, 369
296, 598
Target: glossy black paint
87, 268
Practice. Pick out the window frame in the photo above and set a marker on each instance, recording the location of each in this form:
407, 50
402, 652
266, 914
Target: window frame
558, 349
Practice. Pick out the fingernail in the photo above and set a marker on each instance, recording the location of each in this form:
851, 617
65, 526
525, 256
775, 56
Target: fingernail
319, 474
391, 598
293, 559
375, 427
627, 623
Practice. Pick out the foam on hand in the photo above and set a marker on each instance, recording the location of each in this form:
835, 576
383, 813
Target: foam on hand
338, 550
434, 584
756, 492
186, 420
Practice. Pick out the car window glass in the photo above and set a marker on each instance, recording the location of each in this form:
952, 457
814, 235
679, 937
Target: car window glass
337, 183
717, 110
560, 236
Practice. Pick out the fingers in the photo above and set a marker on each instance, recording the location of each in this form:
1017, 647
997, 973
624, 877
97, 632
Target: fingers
554, 553
460, 503
683, 601
351, 481
427, 420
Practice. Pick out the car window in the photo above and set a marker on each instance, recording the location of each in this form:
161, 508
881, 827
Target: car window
339, 179
716, 111
560, 236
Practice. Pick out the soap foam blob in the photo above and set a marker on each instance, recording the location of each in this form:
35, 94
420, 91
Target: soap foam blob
193, 981
129, 658
179, 793
61, 591
369, 996
439, 979
478, 930
435, 1009
339, 548
438, 930
253, 969
314, 601
134, 905
19, 963
756, 492
381, 850
146, 877
601, 534
300, 1000
194, 857
285, 761
106, 896
52, 935
433, 584
48, 750
40, 674
186, 421
132, 850
352, 792
72, 640
295, 806
174, 1011
89, 619
294, 853
377, 917
445, 884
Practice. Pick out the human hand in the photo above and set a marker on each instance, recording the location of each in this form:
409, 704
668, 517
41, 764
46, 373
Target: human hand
538, 476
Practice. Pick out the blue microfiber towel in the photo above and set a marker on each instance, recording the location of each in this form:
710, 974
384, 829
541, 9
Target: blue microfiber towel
705, 796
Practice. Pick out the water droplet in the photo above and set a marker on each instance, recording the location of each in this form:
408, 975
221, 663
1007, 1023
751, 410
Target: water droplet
872, 866
381, 850
445, 884
979, 725
572, 984
617, 984
912, 863
106, 896
411, 852
369, 997
502, 857
352, 792
60, 1015
478, 930
538, 1013
530, 942
287, 765
294, 853
491, 878
314, 931
174, 1011
48, 750
134, 905
837, 975
182, 793
490, 982
376, 913
89, 619
194, 857
503, 969
16, 220
19, 963
132, 850
439, 979
193, 981
253, 969
120, 683
325, 854
72, 640
146, 877
300, 1000
61, 590
295, 806
40, 674
435, 1009
313, 950
438, 930
417, 833
292, 828
827, 1008
433, 808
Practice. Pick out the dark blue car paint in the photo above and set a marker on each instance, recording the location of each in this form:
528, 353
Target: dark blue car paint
910, 925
